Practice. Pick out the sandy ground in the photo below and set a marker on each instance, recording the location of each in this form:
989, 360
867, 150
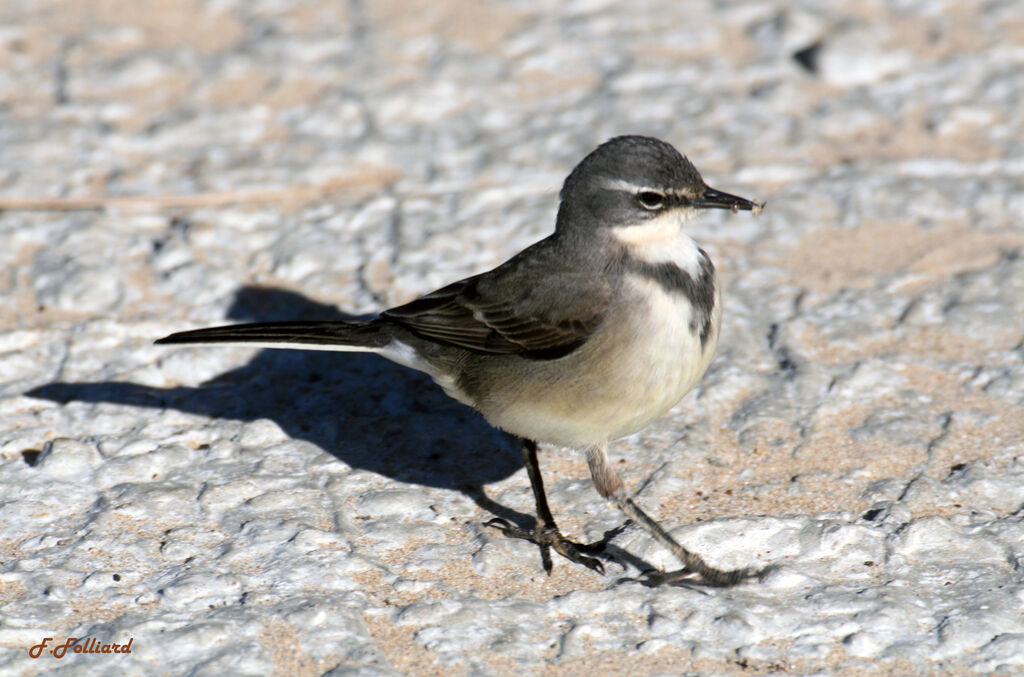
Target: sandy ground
178, 163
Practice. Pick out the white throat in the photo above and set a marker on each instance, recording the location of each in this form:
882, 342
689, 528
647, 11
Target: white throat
662, 240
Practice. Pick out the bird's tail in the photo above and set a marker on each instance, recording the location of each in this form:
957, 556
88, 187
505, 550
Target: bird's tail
338, 335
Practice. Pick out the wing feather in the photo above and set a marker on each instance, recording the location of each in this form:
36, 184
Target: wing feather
532, 305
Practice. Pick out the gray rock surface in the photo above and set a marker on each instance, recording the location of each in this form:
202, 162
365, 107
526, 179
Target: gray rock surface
168, 165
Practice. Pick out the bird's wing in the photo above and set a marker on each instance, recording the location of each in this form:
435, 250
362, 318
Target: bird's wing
533, 304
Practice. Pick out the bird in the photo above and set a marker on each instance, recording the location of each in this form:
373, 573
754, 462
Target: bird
583, 337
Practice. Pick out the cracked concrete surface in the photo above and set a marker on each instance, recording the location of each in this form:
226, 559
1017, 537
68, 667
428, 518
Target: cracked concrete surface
166, 165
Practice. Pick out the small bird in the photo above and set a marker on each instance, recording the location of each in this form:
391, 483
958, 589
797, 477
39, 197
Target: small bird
583, 337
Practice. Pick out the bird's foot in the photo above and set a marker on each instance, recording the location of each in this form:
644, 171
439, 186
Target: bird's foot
705, 576
550, 537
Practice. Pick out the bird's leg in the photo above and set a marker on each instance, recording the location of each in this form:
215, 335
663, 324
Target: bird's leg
609, 485
545, 532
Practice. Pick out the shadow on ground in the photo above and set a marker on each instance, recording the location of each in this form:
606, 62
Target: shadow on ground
368, 412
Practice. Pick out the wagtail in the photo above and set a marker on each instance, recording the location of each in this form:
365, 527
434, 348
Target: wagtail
581, 338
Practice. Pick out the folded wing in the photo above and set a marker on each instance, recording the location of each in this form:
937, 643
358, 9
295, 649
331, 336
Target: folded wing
531, 305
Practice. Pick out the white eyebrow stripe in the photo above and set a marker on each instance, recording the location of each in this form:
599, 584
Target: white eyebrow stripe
622, 184
626, 186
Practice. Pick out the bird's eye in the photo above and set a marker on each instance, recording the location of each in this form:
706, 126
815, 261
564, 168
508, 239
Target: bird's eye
650, 199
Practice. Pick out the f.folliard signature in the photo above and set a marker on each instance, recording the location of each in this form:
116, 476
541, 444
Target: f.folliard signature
87, 645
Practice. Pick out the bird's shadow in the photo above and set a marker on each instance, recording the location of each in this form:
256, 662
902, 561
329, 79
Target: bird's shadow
366, 411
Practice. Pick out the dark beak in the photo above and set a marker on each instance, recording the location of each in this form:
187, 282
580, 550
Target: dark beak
716, 199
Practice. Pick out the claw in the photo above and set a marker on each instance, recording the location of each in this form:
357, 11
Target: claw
707, 578
550, 537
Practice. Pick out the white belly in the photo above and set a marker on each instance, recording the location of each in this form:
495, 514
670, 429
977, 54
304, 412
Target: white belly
634, 369
657, 372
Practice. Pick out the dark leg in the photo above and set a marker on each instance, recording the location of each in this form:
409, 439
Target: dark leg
529, 451
545, 532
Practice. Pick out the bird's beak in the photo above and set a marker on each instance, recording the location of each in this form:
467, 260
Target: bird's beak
716, 199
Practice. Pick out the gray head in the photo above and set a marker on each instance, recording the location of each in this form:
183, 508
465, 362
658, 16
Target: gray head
634, 179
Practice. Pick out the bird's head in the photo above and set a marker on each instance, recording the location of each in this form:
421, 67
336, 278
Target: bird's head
639, 181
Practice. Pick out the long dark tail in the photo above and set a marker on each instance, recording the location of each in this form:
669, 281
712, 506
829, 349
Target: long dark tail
354, 334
